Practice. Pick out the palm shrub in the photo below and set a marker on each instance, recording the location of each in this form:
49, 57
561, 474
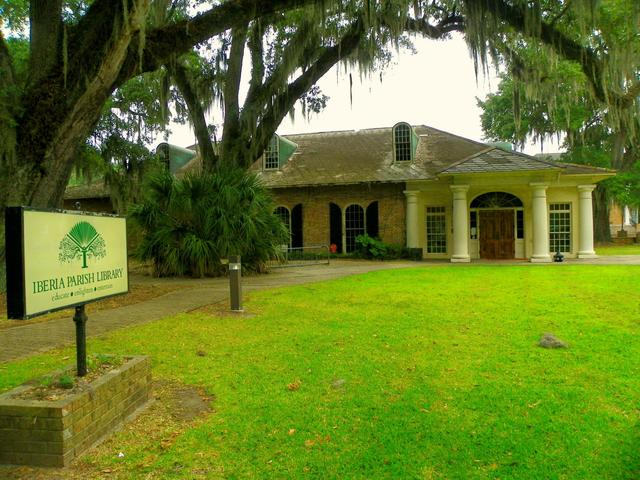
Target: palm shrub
190, 224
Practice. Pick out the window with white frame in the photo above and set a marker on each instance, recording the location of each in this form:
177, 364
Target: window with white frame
353, 225
436, 230
402, 142
560, 227
272, 154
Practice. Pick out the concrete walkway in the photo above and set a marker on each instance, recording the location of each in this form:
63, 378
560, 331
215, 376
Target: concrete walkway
25, 340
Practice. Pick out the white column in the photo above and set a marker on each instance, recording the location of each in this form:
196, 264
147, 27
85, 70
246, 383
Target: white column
540, 223
585, 247
412, 220
460, 224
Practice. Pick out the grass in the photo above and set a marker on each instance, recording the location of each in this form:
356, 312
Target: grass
611, 249
423, 373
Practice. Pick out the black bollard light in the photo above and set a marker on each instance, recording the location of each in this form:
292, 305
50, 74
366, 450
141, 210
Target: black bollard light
235, 283
558, 257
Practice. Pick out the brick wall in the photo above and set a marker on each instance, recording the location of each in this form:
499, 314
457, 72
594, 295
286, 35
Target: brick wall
315, 208
53, 433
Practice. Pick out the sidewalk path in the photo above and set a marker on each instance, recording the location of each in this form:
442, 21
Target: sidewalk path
22, 341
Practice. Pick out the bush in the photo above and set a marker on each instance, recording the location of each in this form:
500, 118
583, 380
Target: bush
190, 224
373, 248
369, 247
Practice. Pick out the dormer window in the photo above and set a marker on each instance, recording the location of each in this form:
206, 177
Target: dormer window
272, 154
402, 143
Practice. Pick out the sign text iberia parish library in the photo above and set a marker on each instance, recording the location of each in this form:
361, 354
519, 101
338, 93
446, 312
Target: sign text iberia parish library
57, 259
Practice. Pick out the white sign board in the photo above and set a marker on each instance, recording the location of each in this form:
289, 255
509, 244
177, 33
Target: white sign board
58, 259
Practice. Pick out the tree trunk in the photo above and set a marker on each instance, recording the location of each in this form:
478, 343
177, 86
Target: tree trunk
232, 132
45, 29
602, 232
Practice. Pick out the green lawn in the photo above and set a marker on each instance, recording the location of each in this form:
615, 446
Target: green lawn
633, 249
431, 372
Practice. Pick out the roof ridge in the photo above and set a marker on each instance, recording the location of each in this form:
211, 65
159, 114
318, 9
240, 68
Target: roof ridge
334, 131
467, 158
477, 142
533, 157
582, 165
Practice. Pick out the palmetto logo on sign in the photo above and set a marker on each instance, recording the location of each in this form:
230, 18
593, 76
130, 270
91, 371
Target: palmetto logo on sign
82, 242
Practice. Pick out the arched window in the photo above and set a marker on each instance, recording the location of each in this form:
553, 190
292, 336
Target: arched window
354, 225
496, 200
285, 217
402, 142
272, 154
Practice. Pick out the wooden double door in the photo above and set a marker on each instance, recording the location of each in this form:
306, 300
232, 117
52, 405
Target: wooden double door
497, 234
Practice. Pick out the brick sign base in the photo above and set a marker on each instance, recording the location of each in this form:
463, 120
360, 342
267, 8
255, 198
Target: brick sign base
53, 433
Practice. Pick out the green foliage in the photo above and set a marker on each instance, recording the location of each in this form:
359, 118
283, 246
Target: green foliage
46, 381
66, 381
96, 361
373, 248
14, 14
370, 247
190, 224
567, 111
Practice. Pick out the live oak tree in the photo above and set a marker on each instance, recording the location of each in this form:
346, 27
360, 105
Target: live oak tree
580, 128
75, 65
79, 57
575, 77
288, 54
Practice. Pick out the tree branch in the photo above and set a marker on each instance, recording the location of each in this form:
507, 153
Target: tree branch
8, 100
196, 114
7, 71
452, 23
233, 75
45, 29
81, 111
551, 36
256, 51
289, 63
180, 37
285, 100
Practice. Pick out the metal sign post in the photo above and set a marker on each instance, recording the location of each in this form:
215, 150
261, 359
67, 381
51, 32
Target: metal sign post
235, 283
80, 319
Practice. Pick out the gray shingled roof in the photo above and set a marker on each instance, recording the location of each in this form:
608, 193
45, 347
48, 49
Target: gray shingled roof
348, 157
496, 160
363, 156
366, 156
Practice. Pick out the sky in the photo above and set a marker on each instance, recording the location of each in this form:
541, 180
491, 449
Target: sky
436, 86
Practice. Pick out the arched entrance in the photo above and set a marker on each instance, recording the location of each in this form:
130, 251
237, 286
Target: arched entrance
497, 222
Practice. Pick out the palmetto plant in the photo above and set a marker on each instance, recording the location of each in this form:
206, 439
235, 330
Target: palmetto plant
82, 240
191, 223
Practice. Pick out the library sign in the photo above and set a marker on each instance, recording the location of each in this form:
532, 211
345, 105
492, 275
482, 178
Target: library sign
59, 259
